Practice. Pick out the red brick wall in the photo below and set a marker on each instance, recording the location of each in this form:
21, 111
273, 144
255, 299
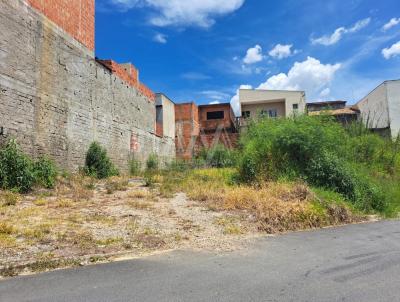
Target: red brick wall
159, 129
194, 132
76, 17
129, 74
226, 122
187, 129
208, 141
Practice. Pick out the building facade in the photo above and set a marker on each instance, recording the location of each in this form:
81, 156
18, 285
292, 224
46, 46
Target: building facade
380, 109
337, 109
165, 116
272, 103
203, 126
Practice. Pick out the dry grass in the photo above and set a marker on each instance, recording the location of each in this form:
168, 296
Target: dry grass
275, 206
140, 205
77, 218
8, 198
116, 183
139, 194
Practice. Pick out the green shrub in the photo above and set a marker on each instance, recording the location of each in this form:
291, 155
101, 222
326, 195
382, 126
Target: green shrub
98, 164
16, 169
320, 151
135, 167
178, 165
218, 157
152, 162
45, 172
148, 178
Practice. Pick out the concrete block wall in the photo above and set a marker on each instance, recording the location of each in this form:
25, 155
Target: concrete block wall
56, 99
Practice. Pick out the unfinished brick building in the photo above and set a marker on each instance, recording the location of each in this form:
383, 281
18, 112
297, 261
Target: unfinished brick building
203, 126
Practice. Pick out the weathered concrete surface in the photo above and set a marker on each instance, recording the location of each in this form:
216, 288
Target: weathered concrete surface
352, 263
56, 99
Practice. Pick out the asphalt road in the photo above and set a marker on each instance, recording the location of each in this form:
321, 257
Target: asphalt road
351, 263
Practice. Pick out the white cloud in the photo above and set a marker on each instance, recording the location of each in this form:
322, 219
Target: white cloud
324, 93
195, 76
215, 102
281, 51
391, 51
182, 12
160, 38
359, 25
216, 96
253, 55
235, 100
337, 35
392, 23
310, 75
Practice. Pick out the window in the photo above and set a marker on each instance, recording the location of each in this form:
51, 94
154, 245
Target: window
272, 113
215, 115
295, 106
269, 113
245, 114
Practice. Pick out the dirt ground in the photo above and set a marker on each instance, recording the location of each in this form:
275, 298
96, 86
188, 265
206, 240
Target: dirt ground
75, 225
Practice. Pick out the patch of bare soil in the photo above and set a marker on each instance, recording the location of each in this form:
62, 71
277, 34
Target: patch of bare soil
75, 225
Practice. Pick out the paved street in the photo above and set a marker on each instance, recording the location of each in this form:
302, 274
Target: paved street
351, 263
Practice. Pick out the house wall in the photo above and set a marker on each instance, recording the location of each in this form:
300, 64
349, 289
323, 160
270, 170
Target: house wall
226, 122
393, 94
168, 115
255, 109
374, 108
187, 129
55, 99
267, 96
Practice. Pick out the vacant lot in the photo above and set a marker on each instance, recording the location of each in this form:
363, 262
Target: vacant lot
84, 220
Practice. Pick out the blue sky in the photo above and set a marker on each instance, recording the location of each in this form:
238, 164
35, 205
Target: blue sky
205, 50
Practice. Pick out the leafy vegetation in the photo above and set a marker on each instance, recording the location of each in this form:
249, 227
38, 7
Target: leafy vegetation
45, 172
152, 162
351, 162
97, 162
135, 167
217, 157
18, 172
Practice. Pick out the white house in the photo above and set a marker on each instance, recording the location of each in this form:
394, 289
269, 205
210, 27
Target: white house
272, 103
380, 109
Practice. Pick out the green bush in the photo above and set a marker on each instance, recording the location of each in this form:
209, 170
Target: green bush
152, 162
178, 165
16, 169
322, 152
218, 157
45, 172
97, 163
135, 167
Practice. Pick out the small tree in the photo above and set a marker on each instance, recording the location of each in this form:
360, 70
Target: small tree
98, 163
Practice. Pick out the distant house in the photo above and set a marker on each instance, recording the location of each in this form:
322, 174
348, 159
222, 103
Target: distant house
203, 126
325, 105
272, 103
380, 109
338, 109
